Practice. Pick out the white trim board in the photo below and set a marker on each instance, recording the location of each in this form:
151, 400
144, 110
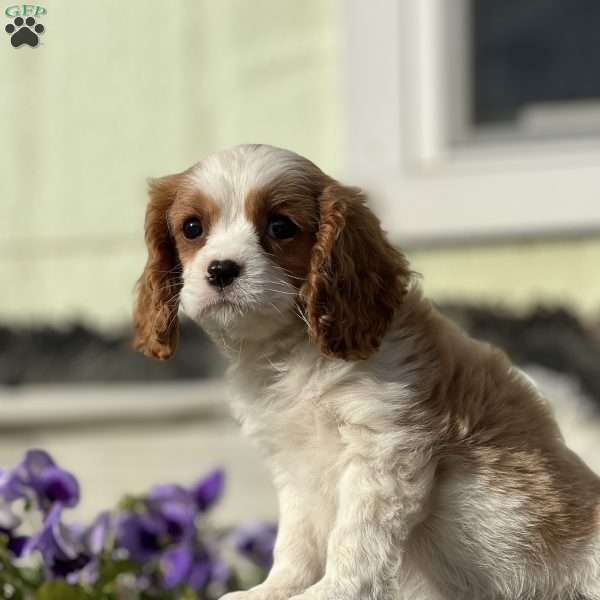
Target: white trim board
415, 210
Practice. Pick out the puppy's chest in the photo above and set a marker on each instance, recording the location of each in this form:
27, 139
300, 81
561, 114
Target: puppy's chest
289, 418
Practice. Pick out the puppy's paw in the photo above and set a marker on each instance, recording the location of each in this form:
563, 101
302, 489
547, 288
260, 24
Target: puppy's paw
261, 593
247, 595
321, 596
322, 591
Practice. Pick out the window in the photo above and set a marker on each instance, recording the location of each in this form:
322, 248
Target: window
476, 117
531, 68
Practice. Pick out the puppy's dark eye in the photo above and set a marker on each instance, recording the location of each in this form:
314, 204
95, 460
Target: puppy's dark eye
192, 228
282, 228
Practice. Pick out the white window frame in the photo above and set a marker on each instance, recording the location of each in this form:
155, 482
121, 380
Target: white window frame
403, 94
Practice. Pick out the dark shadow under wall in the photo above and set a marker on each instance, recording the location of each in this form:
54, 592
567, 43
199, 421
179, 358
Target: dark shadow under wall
79, 354
553, 338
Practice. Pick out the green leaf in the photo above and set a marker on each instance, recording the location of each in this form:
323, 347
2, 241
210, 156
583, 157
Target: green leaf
110, 570
59, 589
21, 580
188, 594
131, 502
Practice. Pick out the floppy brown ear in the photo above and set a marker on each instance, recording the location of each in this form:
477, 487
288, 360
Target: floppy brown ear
157, 300
357, 278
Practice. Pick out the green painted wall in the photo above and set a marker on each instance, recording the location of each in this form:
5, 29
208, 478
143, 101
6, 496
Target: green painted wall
518, 274
120, 91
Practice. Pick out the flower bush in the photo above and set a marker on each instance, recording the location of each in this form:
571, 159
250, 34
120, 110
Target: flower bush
159, 546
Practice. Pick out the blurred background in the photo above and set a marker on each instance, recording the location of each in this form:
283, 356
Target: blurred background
473, 124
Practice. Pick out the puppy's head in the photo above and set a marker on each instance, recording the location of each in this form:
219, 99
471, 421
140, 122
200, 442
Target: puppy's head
254, 237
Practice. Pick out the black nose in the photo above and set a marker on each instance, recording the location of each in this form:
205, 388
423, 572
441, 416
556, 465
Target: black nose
222, 272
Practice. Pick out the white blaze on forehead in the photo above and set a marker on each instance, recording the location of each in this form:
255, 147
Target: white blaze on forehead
235, 240
228, 176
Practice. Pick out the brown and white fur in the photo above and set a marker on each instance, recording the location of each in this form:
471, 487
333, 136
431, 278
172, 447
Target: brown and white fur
411, 461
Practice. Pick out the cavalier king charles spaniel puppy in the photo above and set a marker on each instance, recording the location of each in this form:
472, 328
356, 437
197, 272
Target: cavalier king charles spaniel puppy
410, 461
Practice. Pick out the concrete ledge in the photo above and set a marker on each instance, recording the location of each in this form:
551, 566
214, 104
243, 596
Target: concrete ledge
45, 406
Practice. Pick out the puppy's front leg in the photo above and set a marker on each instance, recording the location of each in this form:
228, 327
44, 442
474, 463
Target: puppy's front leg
297, 563
376, 513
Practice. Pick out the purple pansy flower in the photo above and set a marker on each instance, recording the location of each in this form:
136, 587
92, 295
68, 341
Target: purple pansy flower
38, 475
200, 575
57, 485
11, 487
141, 534
70, 551
208, 489
174, 505
93, 540
97, 534
178, 519
16, 543
14, 483
58, 544
168, 520
176, 564
256, 541
181, 564
219, 570
208, 570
